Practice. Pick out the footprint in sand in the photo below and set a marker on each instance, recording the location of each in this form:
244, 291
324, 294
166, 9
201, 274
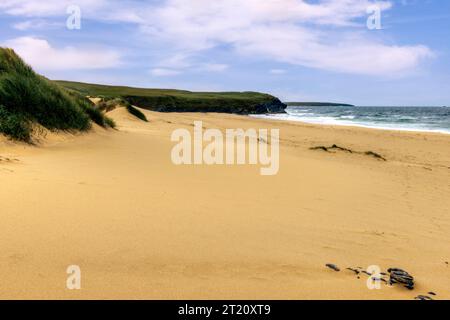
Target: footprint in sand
8, 160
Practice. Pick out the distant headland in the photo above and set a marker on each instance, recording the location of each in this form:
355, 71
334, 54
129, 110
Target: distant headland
170, 100
317, 104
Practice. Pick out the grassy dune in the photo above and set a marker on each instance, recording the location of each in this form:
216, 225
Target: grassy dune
137, 113
168, 100
28, 99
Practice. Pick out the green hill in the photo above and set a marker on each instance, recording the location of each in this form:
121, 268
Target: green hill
28, 99
167, 100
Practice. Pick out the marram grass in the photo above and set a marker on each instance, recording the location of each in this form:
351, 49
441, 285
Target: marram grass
27, 98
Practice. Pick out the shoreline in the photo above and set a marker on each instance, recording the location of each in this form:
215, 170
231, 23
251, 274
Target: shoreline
355, 125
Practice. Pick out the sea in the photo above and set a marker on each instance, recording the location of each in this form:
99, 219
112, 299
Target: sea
428, 119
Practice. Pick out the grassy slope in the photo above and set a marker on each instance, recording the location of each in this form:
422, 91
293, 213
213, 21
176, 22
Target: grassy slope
114, 91
137, 113
27, 98
109, 104
178, 100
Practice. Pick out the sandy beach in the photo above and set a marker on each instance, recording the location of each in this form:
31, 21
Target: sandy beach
139, 227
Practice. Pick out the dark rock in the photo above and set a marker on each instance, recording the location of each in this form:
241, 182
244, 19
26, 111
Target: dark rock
375, 155
336, 147
261, 104
273, 106
422, 297
333, 267
432, 293
377, 279
341, 148
402, 277
320, 148
356, 271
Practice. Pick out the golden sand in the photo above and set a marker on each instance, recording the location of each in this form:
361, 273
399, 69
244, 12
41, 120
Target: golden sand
140, 227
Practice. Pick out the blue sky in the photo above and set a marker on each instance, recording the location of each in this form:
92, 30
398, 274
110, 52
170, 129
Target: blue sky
298, 50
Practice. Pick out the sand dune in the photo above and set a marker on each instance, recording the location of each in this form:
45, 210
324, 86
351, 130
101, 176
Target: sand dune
112, 202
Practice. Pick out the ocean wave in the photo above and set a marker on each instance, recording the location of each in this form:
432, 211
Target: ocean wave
384, 118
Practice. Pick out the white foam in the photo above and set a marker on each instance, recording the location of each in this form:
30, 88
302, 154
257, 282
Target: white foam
338, 122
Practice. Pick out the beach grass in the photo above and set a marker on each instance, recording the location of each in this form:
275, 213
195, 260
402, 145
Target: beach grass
27, 98
137, 113
108, 104
15, 126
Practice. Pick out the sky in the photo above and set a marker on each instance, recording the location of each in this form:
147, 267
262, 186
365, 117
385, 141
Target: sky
363, 52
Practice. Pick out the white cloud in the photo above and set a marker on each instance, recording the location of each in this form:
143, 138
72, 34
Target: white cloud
163, 72
36, 24
43, 57
324, 34
182, 62
354, 54
39, 8
289, 31
277, 71
214, 67
177, 61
